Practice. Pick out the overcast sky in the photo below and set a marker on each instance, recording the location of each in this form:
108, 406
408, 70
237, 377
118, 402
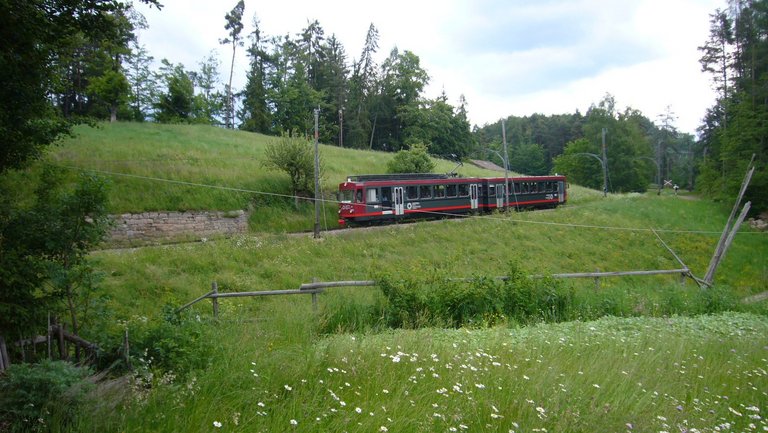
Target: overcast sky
507, 57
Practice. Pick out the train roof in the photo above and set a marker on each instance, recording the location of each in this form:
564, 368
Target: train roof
400, 176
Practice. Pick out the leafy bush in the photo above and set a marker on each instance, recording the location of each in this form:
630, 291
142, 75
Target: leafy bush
437, 301
33, 396
414, 160
176, 344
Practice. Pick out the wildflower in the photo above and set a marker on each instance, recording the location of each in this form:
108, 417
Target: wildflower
287, 388
383, 429
217, 424
294, 422
526, 377
358, 410
596, 385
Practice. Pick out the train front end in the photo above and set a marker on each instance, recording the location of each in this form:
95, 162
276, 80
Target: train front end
350, 202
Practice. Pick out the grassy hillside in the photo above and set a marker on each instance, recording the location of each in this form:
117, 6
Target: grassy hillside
213, 157
679, 374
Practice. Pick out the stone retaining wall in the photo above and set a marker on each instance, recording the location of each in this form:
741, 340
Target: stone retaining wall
169, 226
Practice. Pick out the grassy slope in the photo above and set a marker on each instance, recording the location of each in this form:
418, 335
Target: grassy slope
210, 156
613, 375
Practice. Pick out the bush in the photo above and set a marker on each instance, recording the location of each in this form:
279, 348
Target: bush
437, 301
414, 160
33, 396
174, 345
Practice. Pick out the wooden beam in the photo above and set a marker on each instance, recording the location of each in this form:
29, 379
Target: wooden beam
720, 253
709, 276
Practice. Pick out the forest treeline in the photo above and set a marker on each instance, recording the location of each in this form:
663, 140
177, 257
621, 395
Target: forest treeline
382, 106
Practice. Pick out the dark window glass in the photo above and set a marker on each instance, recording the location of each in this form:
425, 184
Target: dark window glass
463, 190
425, 191
412, 192
452, 191
439, 191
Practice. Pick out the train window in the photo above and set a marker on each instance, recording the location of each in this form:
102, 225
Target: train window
439, 191
425, 191
463, 190
412, 192
372, 195
359, 196
491, 190
346, 195
517, 188
452, 191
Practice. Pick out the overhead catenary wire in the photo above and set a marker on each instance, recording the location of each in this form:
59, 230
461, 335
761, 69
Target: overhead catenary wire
435, 213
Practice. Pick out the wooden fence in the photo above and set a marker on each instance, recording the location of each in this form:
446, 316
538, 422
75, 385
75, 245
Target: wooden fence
316, 287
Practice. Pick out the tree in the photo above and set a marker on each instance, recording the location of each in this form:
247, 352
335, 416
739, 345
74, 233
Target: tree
34, 36
294, 156
44, 250
208, 101
177, 103
142, 82
234, 25
414, 160
254, 114
528, 159
111, 89
734, 129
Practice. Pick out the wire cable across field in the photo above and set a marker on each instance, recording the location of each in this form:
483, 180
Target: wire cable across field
439, 214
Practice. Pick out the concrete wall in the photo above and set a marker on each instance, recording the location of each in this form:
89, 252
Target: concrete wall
169, 226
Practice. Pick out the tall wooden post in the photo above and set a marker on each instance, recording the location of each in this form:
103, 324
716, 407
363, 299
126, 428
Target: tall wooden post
317, 176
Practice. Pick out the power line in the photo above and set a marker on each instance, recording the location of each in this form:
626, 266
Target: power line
435, 213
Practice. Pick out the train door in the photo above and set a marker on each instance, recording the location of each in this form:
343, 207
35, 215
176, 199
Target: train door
397, 199
561, 192
499, 195
473, 196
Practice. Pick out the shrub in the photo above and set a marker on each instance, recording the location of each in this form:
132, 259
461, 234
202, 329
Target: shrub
33, 396
414, 160
176, 344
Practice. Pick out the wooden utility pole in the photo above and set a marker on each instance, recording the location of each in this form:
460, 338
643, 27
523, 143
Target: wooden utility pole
506, 164
605, 168
317, 176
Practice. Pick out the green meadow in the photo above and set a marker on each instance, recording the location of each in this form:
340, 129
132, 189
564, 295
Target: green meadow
639, 354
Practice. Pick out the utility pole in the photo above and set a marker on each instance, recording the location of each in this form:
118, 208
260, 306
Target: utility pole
341, 127
317, 176
605, 168
506, 164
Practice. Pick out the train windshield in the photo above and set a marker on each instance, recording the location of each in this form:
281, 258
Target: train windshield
346, 195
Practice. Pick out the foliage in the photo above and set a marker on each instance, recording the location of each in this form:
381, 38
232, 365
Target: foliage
234, 25
42, 396
177, 344
438, 301
38, 39
528, 159
44, 251
414, 160
294, 156
735, 128
177, 103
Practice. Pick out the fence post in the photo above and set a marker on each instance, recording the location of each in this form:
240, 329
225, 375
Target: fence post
314, 297
126, 349
597, 280
215, 299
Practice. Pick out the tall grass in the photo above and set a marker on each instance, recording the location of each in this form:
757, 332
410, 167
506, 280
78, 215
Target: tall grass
675, 374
